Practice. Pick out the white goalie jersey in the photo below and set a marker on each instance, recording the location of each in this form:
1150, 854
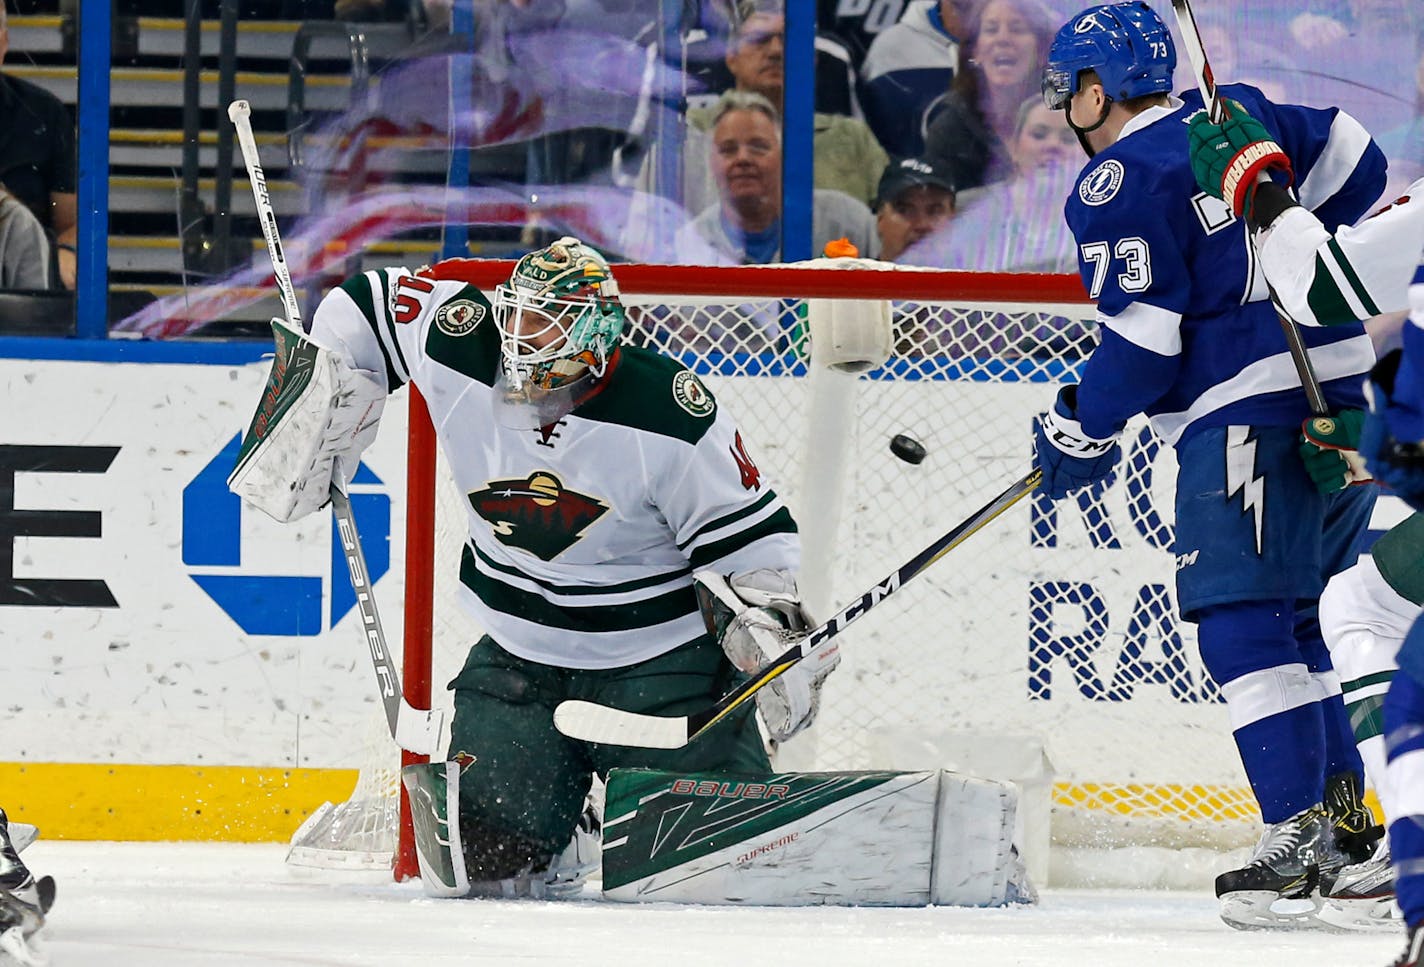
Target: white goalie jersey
584, 533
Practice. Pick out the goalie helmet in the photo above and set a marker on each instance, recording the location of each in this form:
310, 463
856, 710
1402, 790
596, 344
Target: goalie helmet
559, 317
1128, 46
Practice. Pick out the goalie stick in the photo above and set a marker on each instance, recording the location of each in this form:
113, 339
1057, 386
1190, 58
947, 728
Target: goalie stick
592, 722
417, 730
1216, 110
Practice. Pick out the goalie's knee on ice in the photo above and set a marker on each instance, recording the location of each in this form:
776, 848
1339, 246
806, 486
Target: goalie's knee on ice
462, 854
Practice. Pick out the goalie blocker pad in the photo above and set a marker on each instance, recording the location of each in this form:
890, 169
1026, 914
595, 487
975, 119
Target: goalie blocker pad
822, 838
316, 416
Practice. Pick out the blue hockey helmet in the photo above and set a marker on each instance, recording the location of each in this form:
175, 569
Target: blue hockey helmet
1128, 46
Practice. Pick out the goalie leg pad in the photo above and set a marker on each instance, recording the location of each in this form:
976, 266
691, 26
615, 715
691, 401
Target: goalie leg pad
434, 790
798, 839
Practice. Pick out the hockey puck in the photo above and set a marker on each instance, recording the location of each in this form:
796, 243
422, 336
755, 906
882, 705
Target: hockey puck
907, 448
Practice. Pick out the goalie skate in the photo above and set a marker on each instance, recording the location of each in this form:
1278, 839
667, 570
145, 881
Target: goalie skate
1279, 887
1360, 897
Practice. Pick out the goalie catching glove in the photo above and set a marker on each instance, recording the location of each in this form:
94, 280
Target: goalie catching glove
1229, 159
756, 617
316, 417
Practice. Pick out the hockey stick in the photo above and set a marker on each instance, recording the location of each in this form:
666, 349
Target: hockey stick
1216, 110
417, 730
600, 723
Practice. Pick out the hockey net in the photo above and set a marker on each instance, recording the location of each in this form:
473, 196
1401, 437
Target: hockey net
1046, 650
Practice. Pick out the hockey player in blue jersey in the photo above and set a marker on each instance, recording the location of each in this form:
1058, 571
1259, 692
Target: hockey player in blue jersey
1189, 337
1322, 279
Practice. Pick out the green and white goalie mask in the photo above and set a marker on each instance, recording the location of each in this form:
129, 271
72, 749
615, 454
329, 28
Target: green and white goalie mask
559, 320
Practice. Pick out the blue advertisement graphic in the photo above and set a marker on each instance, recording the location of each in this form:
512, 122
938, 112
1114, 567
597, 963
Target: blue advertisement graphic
274, 604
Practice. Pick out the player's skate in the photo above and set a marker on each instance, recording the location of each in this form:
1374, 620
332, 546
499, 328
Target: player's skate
1356, 833
1361, 896
24, 901
1413, 955
1278, 886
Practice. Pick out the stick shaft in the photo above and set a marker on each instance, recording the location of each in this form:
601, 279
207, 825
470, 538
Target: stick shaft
1206, 83
415, 729
240, 113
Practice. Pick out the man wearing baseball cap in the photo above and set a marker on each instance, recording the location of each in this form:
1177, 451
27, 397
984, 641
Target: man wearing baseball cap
915, 199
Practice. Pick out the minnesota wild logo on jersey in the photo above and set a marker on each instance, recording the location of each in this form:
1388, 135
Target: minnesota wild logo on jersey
537, 513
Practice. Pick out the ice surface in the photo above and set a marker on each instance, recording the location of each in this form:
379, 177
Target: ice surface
215, 905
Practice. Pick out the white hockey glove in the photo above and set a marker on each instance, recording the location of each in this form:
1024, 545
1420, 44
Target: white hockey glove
756, 616
316, 417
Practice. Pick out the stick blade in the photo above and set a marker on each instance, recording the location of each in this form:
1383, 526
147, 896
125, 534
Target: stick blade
591, 722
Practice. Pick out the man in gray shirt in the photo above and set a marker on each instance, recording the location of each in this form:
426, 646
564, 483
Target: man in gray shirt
24, 248
744, 225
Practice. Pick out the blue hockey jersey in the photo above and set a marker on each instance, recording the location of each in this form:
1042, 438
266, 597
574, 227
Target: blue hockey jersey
1188, 333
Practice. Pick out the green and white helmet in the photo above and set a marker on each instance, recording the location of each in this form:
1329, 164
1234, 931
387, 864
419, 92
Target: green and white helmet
559, 316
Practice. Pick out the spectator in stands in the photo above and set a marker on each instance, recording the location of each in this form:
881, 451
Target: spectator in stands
908, 71
847, 156
37, 160
24, 247
1235, 59
1404, 144
999, 67
915, 200
1016, 225
744, 225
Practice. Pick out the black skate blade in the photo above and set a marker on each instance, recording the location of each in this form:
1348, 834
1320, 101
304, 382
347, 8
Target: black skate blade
45, 889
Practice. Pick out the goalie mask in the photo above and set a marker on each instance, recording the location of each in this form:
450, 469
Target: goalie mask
559, 319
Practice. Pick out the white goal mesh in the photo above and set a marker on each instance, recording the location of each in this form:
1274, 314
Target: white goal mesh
1046, 648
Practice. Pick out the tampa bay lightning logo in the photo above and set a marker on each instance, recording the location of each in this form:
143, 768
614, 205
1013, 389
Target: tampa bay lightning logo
1102, 183
1087, 23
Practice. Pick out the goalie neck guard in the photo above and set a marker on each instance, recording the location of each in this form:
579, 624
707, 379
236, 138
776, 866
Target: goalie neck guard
559, 318
1126, 44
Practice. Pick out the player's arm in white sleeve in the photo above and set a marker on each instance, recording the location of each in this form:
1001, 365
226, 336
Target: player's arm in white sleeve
322, 402
1317, 278
1361, 271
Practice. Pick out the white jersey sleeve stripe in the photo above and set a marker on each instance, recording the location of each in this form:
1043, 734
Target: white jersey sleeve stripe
385, 328
1346, 281
721, 525
1147, 327
1343, 151
1349, 357
761, 511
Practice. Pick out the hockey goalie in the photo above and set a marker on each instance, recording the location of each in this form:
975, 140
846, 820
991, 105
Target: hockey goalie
607, 491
